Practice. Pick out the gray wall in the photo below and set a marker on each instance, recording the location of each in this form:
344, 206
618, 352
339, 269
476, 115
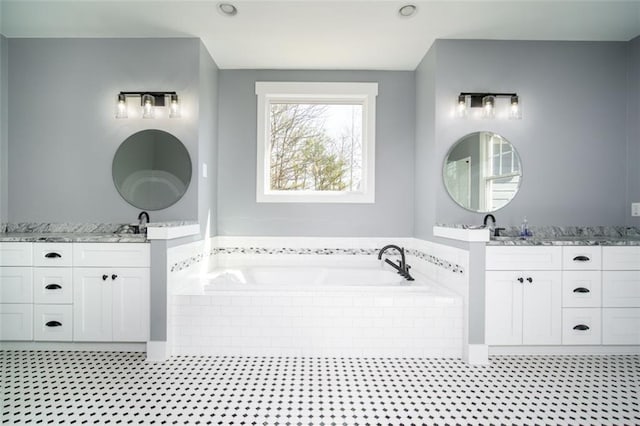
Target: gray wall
572, 138
392, 213
63, 132
426, 161
208, 144
4, 53
633, 126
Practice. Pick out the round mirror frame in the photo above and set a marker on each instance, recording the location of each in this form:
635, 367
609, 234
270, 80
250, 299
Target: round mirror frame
514, 172
151, 162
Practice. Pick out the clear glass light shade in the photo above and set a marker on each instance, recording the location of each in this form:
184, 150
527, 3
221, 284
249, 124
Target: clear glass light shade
121, 107
148, 106
174, 107
488, 107
461, 108
515, 108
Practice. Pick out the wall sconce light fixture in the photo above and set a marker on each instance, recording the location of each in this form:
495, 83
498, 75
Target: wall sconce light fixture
148, 102
489, 104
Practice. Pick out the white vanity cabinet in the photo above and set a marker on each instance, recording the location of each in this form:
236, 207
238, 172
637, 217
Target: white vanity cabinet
53, 291
16, 291
523, 295
581, 295
621, 295
111, 292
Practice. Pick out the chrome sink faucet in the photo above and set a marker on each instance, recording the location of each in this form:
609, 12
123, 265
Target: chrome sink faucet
401, 266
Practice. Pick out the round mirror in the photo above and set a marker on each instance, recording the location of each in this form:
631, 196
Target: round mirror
482, 172
151, 169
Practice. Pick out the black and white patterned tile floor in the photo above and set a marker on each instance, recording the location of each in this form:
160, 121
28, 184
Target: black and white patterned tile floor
52, 387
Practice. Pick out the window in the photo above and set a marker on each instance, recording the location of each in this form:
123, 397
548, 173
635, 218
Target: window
501, 177
316, 142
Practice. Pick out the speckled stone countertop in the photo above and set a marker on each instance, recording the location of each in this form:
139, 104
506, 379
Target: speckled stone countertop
70, 233
71, 237
564, 236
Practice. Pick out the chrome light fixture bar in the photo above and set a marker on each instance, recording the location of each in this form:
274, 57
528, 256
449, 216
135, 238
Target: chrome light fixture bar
487, 101
148, 102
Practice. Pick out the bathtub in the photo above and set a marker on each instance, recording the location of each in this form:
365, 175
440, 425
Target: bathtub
293, 278
313, 311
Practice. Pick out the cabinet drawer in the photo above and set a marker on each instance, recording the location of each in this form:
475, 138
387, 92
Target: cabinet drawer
621, 289
621, 258
111, 254
621, 326
16, 285
582, 258
52, 322
16, 321
52, 254
581, 289
581, 326
16, 254
52, 285
529, 258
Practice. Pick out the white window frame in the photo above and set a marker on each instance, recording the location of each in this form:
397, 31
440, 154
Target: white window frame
316, 92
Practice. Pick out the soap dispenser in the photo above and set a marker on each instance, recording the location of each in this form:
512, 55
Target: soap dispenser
524, 228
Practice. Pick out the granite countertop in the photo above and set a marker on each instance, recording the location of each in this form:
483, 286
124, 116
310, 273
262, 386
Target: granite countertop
565, 241
71, 237
562, 235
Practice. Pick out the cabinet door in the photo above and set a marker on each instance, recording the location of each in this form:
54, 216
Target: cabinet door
130, 304
92, 301
16, 285
542, 308
16, 321
503, 308
621, 289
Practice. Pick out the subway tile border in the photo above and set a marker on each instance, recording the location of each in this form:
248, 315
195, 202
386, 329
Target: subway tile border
193, 260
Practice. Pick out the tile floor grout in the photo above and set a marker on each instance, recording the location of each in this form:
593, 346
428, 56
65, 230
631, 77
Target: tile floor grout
64, 387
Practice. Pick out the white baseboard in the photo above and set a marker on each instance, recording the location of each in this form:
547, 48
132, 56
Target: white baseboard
157, 351
565, 350
476, 355
74, 346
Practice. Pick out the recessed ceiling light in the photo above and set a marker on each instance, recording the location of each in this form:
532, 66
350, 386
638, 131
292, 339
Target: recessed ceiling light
227, 9
407, 10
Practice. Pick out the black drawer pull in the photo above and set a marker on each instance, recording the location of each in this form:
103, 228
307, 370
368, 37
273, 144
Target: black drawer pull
581, 290
53, 324
53, 286
104, 277
581, 259
52, 255
581, 327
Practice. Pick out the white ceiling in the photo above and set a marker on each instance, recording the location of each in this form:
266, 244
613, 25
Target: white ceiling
323, 34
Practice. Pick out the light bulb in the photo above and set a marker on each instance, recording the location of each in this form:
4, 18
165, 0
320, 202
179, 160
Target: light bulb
515, 109
121, 107
174, 107
148, 110
488, 106
461, 109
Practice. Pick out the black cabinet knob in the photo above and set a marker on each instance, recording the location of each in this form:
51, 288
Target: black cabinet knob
114, 276
104, 277
521, 280
530, 279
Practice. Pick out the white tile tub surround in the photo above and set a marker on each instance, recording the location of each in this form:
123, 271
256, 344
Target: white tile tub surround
410, 323
426, 322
